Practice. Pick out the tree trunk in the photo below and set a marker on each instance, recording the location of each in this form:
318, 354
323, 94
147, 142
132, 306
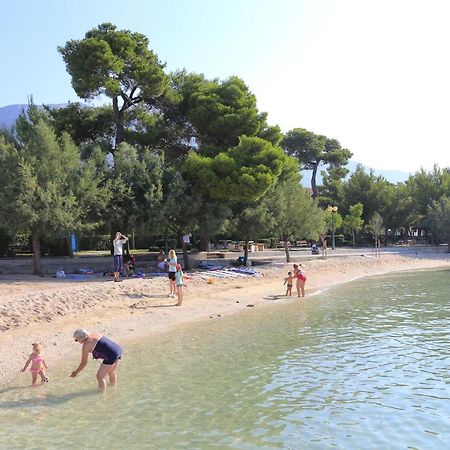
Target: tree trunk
313, 181
286, 249
187, 264
37, 265
353, 237
204, 241
118, 120
246, 251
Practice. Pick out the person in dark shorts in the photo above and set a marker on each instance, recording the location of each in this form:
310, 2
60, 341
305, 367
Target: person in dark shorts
172, 262
118, 242
101, 348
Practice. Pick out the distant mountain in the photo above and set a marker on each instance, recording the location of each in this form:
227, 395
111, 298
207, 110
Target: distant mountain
10, 113
393, 176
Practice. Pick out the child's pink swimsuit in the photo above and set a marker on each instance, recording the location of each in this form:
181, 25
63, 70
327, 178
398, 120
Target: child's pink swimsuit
34, 362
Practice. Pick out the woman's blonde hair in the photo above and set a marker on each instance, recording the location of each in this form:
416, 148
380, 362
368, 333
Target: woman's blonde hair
37, 347
172, 254
81, 333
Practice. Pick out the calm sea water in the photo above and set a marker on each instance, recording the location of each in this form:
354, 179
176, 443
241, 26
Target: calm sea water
363, 366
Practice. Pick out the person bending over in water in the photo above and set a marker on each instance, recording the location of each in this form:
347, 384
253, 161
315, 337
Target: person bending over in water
38, 364
101, 348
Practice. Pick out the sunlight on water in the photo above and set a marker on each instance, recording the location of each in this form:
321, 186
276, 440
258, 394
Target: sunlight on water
364, 365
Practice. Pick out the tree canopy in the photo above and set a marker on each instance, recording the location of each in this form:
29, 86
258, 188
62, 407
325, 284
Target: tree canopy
115, 63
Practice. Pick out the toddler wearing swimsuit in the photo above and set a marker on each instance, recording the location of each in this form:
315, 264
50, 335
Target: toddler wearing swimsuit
38, 364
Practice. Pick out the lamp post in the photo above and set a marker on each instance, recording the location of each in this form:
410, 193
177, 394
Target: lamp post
333, 211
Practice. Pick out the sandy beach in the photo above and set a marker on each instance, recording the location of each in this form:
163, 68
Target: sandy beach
49, 310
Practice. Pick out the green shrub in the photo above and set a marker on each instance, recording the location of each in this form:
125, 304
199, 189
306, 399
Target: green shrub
95, 242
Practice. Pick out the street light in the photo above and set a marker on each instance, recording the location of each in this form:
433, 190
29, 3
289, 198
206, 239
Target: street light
333, 211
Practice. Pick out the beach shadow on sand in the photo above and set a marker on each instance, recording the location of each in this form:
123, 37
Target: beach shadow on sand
140, 296
147, 305
276, 297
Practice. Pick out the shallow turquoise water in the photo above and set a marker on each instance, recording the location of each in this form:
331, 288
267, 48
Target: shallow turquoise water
362, 366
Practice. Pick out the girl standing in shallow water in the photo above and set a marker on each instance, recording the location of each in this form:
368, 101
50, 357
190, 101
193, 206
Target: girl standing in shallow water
299, 274
38, 364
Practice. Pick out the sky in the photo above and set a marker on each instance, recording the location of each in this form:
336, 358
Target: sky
373, 74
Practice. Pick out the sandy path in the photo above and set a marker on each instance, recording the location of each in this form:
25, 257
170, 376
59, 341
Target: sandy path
48, 310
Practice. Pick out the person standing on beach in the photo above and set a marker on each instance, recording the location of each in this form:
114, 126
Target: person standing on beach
172, 261
118, 242
38, 364
299, 274
101, 348
179, 284
289, 281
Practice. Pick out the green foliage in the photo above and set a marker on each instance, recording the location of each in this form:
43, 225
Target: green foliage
84, 124
376, 226
44, 186
398, 207
353, 222
439, 219
332, 190
311, 150
135, 185
332, 219
94, 242
304, 145
242, 173
425, 188
365, 188
221, 112
180, 207
112, 62
117, 64
296, 214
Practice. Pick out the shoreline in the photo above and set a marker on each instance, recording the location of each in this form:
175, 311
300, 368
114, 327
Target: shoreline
49, 310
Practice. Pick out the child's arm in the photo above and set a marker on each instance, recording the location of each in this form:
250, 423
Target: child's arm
45, 364
26, 364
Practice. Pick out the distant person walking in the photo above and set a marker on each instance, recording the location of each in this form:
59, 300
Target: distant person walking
172, 261
118, 242
300, 275
101, 348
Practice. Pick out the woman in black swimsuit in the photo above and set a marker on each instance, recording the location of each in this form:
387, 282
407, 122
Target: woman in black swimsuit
101, 348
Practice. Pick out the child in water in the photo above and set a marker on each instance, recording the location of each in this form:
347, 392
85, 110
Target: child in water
289, 281
179, 284
38, 364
